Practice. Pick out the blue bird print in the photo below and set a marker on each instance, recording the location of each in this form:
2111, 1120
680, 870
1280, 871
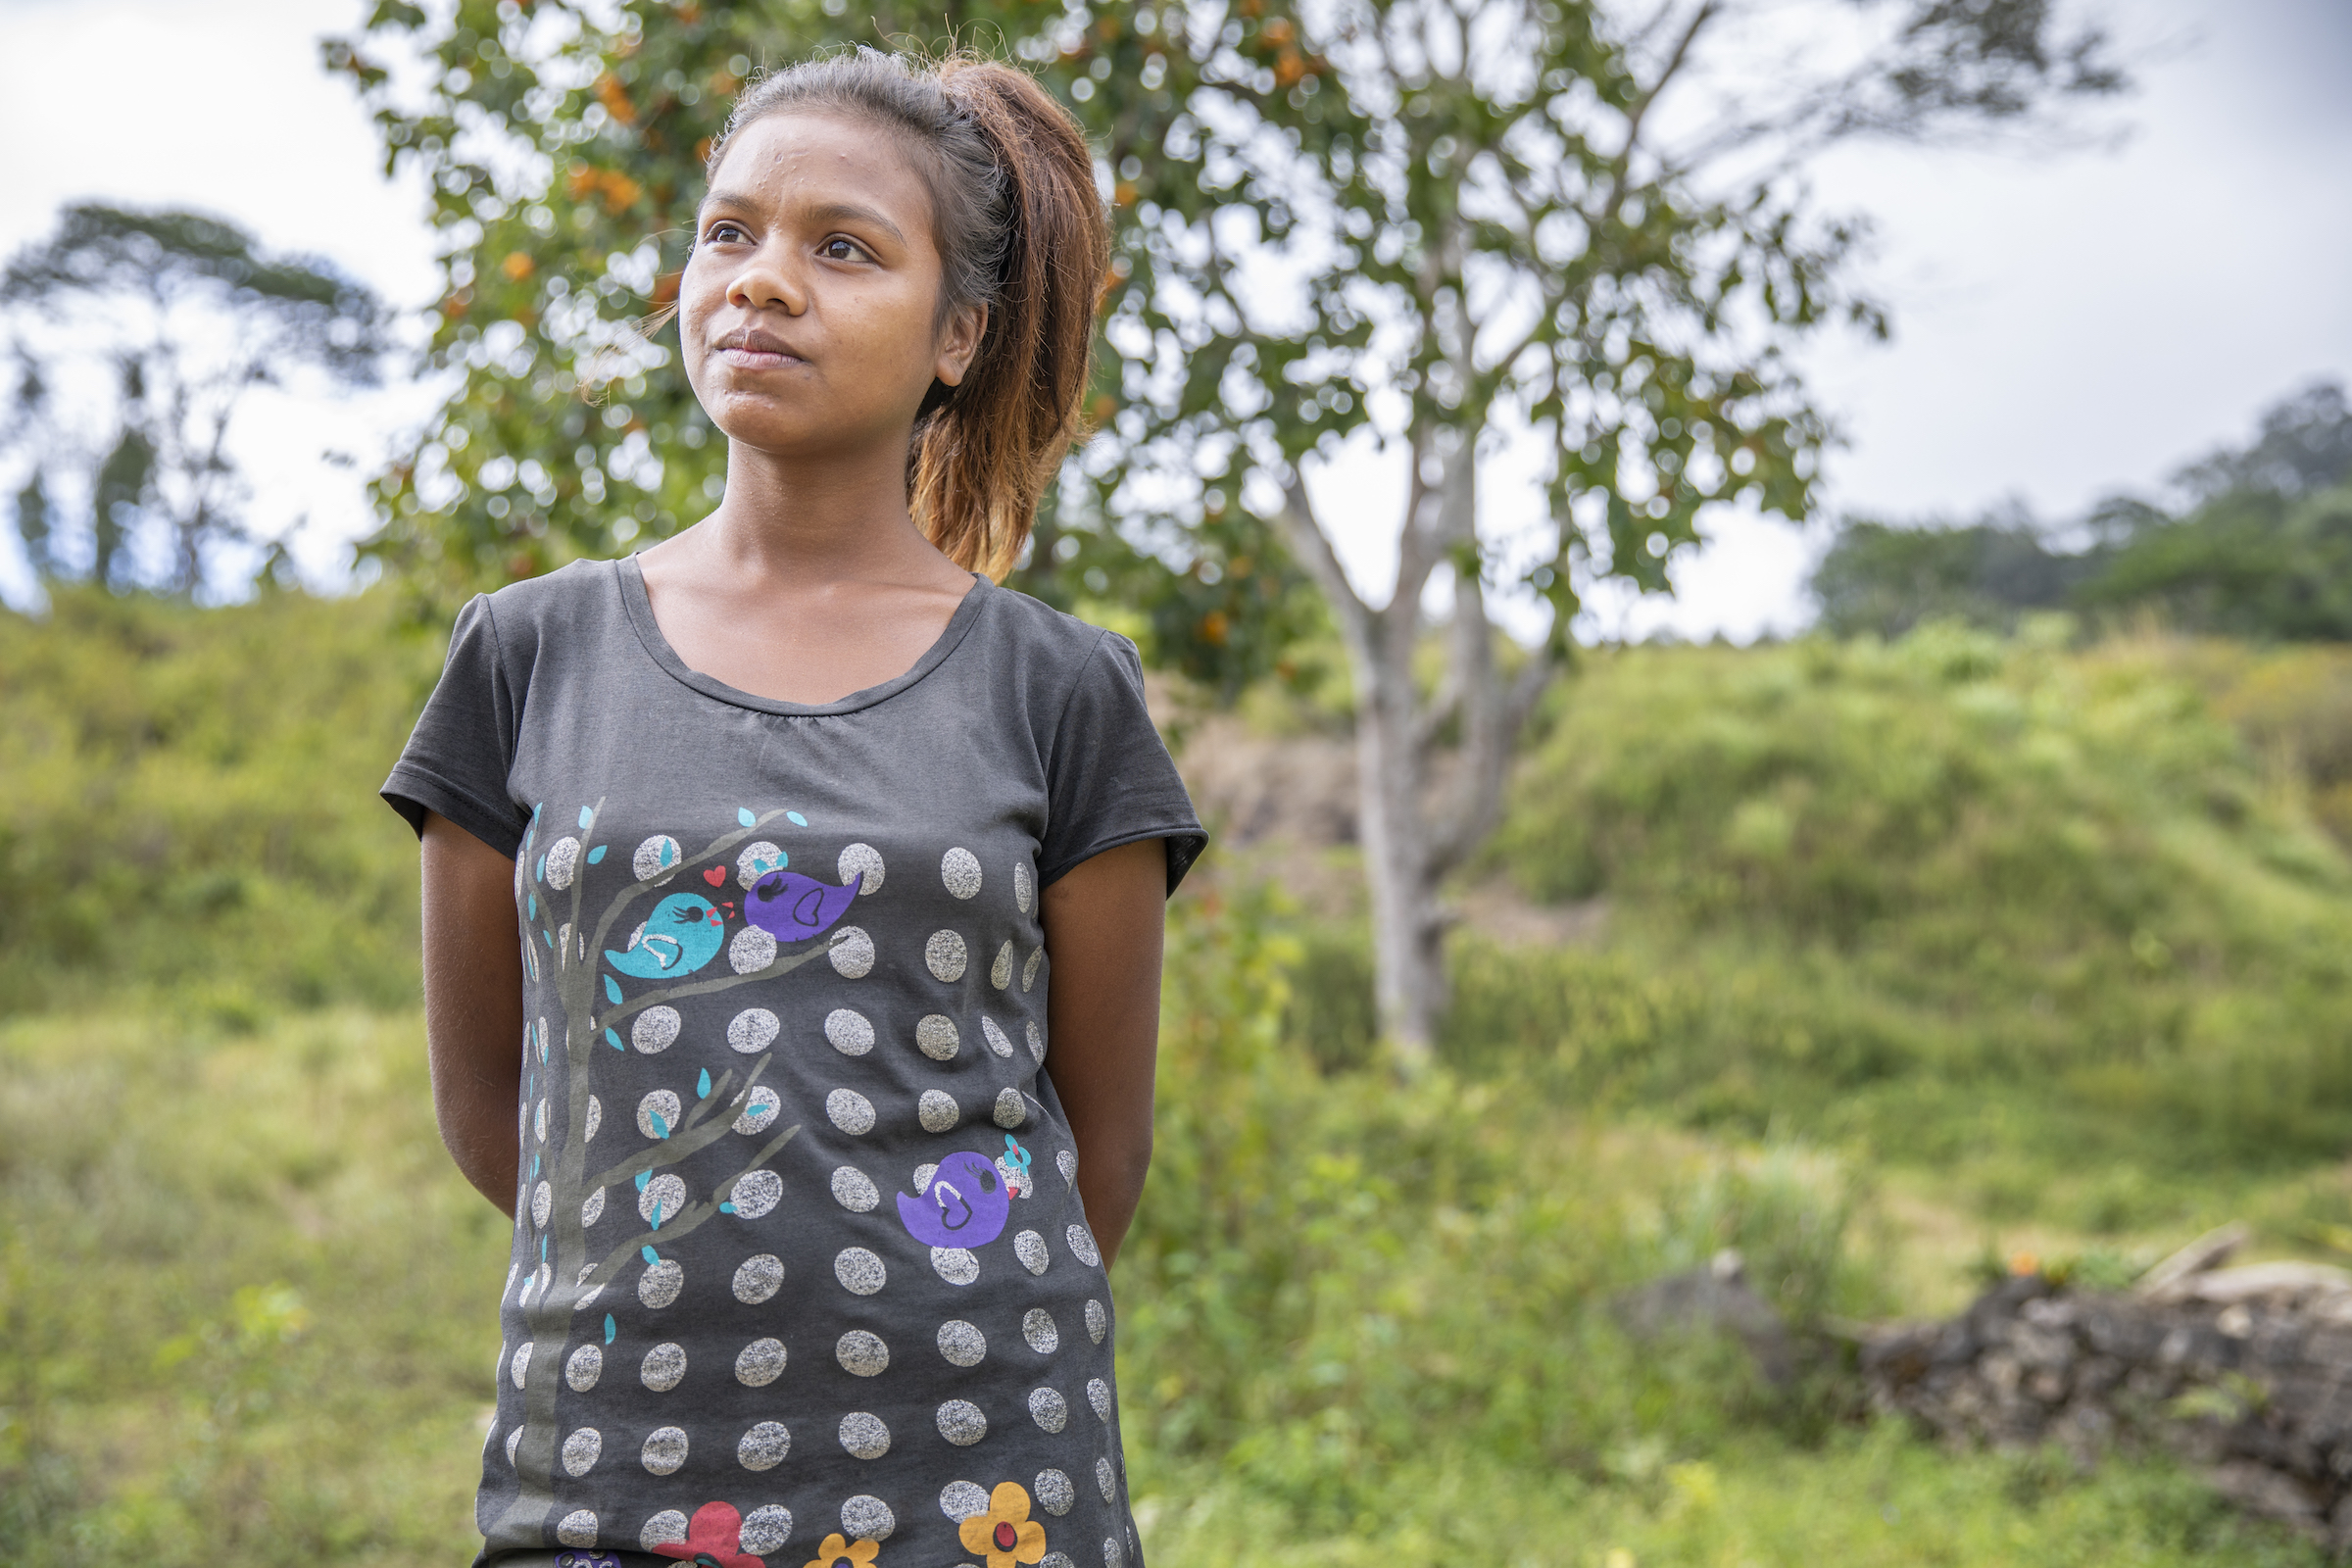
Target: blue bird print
682, 934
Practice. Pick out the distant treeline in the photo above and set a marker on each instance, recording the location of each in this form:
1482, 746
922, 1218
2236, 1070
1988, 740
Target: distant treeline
2261, 549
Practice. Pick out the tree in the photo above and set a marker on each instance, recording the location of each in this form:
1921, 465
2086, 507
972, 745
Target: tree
2262, 550
561, 1199
1439, 221
165, 323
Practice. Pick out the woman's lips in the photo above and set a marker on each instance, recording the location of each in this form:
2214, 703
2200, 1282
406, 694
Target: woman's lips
760, 359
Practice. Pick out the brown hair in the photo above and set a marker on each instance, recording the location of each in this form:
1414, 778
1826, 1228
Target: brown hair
1020, 229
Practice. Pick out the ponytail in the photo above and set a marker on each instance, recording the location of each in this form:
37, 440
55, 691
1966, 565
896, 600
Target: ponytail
1021, 230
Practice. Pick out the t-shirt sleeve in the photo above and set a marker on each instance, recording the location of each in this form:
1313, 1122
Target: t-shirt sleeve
459, 756
1110, 779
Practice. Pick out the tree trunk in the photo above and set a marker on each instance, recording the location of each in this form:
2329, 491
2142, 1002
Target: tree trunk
1414, 836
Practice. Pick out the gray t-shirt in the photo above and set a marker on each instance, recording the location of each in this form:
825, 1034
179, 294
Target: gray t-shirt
800, 1268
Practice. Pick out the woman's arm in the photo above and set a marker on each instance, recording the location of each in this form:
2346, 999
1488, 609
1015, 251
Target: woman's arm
1103, 923
473, 1005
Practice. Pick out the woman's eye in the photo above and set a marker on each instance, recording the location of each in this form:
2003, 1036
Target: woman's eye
838, 249
724, 233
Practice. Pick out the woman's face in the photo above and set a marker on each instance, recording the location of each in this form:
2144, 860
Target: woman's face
808, 310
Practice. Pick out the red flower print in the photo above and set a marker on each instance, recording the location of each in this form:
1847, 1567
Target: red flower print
713, 1539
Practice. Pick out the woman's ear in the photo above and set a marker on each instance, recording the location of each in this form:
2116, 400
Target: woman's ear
960, 343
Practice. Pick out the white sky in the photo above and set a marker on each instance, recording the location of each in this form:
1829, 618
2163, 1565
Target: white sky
2065, 325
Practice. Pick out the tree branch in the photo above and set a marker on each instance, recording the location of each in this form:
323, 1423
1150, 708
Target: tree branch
685, 1222
690, 1139
782, 966
1313, 546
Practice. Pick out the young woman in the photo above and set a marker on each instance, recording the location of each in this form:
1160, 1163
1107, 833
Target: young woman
839, 872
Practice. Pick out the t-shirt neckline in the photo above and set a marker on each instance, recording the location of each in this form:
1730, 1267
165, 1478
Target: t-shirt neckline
640, 607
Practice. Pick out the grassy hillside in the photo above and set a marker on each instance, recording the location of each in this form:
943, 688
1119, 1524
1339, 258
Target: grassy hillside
1957, 906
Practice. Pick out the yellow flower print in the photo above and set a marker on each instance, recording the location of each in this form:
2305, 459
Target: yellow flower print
1005, 1532
837, 1552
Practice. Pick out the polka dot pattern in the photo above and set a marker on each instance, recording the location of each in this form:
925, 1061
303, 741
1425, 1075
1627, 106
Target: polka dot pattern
859, 1271
665, 1450
962, 1423
854, 1191
1104, 1482
756, 1193
665, 1529
862, 1354
1098, 1321
578, 1527
962, 1343
581, 1450
1082, 1245
751, 950
1049, 1410
996, 1038
1098, 1394
1029, 968
1012, 1109
753, 1030
656, 855
757, 1278
999, 972
849, 1032
663, 1368
764, 1448
760, 1111
659, 1285
851, 952
662, 1103
755, 861
851, 1111
1054, 1491
760, 1364
934, 1036
868, 1517
863, 862
563, 859
764, 1530
583, 1367
521, 1366
864, 1437
945, 957
960, 1501
594, 1210
938, 1111
1024, 886
1038, 1328
664, 1195
656, 1030
1030, 1248
960, 874
954, 1264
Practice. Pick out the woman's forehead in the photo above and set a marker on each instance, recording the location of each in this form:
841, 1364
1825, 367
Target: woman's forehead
791, 152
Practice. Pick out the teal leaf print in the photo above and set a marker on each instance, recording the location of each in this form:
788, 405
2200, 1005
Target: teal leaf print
726, 1209
587, 815
612, 989
796, 819
651, 1256
596, 854
702, 1087
611, 1328
539, 872
643, 1177
743, 815
661, 1127
614, 1041
530, 911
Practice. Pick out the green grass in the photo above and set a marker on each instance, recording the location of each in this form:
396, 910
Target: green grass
1915, 955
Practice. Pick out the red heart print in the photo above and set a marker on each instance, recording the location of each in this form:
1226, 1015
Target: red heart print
715, 875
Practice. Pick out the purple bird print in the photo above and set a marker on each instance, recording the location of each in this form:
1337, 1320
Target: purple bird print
792, 908
964, 1205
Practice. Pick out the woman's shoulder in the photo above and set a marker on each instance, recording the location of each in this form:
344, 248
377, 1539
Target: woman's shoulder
1055, 639
559, 605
